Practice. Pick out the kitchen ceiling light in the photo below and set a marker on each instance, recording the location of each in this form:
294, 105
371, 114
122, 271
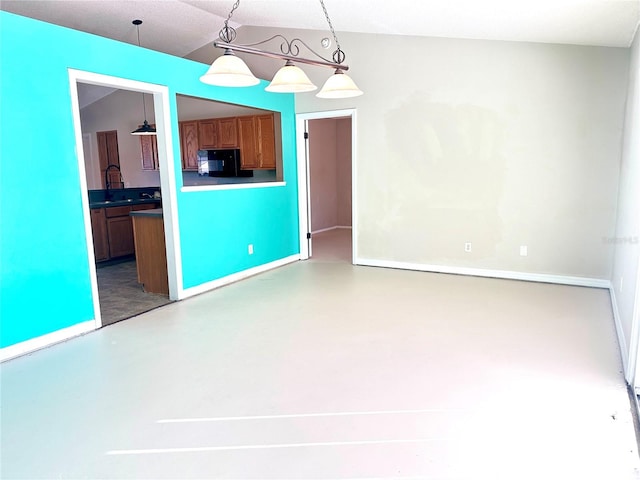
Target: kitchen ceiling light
229, 71
339, 85
145, 128
290, 79
233, 72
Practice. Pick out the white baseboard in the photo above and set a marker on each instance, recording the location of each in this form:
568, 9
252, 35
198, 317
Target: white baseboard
329, 229
622, 341
58, 336
221, 282
481, 272
323, 230
47, 340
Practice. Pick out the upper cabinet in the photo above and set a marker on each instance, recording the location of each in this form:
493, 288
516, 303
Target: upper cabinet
254, 135
208, 134
266, 141
149, 149
189, 145
257, 142
108, 155
217, 133
248, 151
227, 133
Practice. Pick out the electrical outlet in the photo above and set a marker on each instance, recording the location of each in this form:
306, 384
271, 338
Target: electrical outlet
250, 248
523, 251
467, 247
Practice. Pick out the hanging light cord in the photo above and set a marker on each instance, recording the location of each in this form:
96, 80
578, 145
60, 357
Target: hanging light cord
228, 34
144, 106
338, 56
288, 49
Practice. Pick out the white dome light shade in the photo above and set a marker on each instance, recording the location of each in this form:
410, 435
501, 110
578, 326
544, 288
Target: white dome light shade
229, 71
339, 85
290, 79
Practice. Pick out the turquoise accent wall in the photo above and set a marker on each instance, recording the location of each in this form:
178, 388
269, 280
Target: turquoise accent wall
45, 278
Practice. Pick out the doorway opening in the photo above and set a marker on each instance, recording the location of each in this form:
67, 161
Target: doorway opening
121, 292
113, 204
326, 149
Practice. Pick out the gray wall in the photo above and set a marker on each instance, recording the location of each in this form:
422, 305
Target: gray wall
343, 157
626, 241
501, 144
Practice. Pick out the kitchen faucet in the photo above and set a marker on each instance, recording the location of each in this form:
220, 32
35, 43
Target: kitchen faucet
107, 183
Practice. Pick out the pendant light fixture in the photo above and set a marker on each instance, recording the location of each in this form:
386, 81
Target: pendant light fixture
231, 71
339, 85
145, 128
290, 79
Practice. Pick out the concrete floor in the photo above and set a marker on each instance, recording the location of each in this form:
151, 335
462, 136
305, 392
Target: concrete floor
323, 370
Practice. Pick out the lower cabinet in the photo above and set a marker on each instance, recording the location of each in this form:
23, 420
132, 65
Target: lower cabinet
151, 252
113, 231
100, 240
120, 232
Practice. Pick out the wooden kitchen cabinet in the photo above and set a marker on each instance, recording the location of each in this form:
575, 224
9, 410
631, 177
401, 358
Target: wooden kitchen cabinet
189, 145
248, 144
108, 155
227, 133
257, 142
217, 133
149, 149
99, 229
113, 230
254, 135
120, 233
208, 134
266, 141
151, 251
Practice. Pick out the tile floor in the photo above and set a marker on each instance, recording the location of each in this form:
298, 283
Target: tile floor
121, 296
324, 370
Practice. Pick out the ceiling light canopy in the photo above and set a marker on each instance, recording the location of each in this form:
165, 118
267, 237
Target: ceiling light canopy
229, 70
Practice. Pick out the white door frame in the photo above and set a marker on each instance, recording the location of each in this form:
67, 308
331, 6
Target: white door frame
633, 363
167, 175
302, 121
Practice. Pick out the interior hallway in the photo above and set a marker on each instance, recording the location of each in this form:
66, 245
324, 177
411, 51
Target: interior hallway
332, 246
323, 370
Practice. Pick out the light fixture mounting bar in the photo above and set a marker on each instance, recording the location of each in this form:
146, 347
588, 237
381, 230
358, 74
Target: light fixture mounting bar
282, 56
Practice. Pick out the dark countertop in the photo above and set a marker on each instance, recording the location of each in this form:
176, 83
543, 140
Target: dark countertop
155, 212
121, 197
122, 203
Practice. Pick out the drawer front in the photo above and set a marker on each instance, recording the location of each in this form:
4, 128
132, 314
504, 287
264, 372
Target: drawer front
117, 211
144, 206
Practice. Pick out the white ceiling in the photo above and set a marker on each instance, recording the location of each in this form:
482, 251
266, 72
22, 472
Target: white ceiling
179, 27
